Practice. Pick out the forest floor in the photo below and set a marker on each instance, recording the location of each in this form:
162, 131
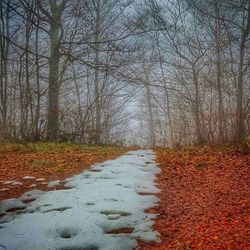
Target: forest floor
205, 199
42, 163
103, 208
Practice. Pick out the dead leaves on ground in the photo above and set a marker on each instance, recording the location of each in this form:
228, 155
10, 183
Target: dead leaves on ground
48, 161
205, 199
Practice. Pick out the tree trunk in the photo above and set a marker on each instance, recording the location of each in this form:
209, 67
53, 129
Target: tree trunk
168, 111
55, 36
199, 136
221, 128
4, 49
38, 94
149, 103
240, 117
53, 95
96, 79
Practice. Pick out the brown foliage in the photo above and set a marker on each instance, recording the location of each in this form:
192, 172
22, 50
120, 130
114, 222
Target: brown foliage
50, 164
205, 199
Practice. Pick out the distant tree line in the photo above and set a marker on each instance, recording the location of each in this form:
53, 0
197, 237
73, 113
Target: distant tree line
69, 69
196, 71
59, 63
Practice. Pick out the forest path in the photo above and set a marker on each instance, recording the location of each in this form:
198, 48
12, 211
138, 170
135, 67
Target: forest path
104, 208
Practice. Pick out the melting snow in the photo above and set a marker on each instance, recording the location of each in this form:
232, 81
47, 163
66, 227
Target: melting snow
32, 185
8, 182
54, 183
11, 204
40, 179
4, 189
85, 216
16, 183
33, 194
29, 177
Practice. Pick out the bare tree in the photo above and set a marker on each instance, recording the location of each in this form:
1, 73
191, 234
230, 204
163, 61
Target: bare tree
54, 17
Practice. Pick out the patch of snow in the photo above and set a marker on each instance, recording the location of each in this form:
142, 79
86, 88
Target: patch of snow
114, 216
16, 183
29, 177
54, 183
32, 185
9, 204
32, 194
81, 217
4, 189
8, 182
40, 179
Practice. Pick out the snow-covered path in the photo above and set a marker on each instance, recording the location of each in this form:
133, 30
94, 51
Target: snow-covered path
92, 214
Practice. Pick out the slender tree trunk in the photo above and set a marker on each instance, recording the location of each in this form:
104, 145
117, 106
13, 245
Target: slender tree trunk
149, 104
4, 49
240, 116
38, 94
28, 96
221, 127
240, 129
22, 98
96, 79
197, 103
167, 106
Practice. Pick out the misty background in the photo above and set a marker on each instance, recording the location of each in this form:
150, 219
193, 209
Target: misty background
101, 72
